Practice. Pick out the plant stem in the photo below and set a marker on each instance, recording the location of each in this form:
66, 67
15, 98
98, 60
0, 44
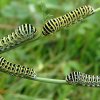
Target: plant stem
96, 10
47, 80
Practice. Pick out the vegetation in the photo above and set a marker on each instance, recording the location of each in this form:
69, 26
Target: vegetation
76, 48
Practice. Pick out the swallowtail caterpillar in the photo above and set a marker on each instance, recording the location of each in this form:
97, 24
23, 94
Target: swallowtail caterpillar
17, 70
21, 34
68, 19
80, 78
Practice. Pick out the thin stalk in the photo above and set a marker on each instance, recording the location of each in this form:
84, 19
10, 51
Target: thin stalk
96, 10
48, 80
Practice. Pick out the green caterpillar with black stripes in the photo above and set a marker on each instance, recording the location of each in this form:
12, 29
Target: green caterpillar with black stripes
21, 34
16, 70
83, 79
68, 19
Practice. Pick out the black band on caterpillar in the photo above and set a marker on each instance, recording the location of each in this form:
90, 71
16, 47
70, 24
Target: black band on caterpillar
68, 19
20, 35
83, 79
17, 70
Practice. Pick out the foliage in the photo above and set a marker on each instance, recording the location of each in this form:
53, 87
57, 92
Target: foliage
70, 49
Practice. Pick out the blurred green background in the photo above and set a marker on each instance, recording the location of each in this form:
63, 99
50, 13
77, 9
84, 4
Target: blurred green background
76, 48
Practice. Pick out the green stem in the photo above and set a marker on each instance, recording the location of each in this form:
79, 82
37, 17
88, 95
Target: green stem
96, 10
47, 80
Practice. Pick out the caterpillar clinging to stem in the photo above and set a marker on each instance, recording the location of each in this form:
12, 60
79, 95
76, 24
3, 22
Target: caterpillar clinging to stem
16, 70
68, 19
80, 78
21, 34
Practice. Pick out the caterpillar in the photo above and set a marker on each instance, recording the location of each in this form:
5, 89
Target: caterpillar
16, 70
68, 19
83, 79
21, 34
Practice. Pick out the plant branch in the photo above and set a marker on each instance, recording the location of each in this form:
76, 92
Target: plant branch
96, 10
47, 80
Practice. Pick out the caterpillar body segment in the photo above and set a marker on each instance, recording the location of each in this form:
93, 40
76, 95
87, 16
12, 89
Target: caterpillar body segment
16, 70
68, 19
83, 79
20, 35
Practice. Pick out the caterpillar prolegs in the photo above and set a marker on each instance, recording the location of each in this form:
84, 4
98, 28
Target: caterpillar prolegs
83, 79
16, 70
20, 35
68, 19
